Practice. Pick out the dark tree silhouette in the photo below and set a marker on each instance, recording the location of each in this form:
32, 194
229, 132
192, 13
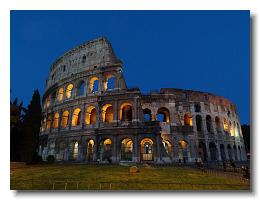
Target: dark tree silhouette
30, 129
246, 136
16, 119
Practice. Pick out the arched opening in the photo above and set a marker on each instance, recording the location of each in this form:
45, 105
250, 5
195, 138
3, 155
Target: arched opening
202, 151
167, 148
147, 149
56, 120
93, 84
209, 123
163, 115
60, 94
80, 88
106, 150
109, 83
126, 112
230, 156
197, 107
48, 122
75, 150
61, 150
183, 150
126, 149
187, 119
199, 123
69, 90
91, 115
225, 125
213, 151
65, 119
235, 152
44, 123
90, 150
76, 117
231, 129
222, 152
239, 153
217, 121
107, 113
48, 101
147, 115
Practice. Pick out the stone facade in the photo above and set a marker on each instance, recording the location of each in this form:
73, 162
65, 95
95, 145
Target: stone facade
90, 115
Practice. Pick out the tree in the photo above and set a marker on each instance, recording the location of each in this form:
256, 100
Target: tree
246, 136
30, 129
16, 118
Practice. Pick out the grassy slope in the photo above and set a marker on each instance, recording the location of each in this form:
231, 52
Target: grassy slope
91, 176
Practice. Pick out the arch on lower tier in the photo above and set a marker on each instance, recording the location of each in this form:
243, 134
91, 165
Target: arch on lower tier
213, 151
106, 150
90, 150
147, 150
126, 150
202, 151
183, 150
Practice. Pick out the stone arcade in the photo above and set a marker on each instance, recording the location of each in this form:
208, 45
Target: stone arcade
90, 115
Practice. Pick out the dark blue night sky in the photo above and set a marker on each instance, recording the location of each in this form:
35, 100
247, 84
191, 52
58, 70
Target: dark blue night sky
198, 50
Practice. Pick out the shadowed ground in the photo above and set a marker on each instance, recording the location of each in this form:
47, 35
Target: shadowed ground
116, 177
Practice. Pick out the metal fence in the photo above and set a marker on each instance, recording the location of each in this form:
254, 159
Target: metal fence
69, 184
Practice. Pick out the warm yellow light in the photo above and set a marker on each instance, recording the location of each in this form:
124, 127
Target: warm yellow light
65, 118
225, 125
107, 113
69, 90
75, 117
91, 83
183, 144
90, 117
56, 120
107, 142
60, 94
124, 105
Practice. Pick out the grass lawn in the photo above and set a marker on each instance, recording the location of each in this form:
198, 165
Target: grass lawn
116, 177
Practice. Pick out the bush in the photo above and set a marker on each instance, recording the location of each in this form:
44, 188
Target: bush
50, 159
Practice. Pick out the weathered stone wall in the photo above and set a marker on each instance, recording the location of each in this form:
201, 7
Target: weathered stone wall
173, 138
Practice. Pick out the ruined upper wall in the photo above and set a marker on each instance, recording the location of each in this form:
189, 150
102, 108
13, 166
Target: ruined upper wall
85, 57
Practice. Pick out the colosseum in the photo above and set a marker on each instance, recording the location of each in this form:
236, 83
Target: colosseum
90, 115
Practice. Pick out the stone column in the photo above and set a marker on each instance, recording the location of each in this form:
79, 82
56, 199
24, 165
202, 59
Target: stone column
136, 157
218, 152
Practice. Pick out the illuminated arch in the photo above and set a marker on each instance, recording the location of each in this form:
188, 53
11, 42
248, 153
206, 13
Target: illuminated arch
76, 117
56, 120
60, 94
92, 82
69, 90
65, 119
164, 114
109, 82
90, 150
48, 122
48, 101
231, 129
187, 119
91, 115
107, 113
225, 125
147, 149
126, 149
126, 112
